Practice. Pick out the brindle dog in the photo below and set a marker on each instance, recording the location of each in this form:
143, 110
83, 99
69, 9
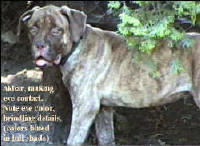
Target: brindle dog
98, 69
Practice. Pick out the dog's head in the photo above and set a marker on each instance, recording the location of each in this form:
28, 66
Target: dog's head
52, 32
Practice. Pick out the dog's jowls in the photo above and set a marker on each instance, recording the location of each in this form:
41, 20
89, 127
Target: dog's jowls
99, 70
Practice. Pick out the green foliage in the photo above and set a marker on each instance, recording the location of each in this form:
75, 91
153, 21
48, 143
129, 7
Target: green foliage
177, 66
114, 5
154, 21
187, 8
150, 22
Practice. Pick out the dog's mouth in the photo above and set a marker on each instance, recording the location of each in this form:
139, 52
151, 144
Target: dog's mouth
43, 62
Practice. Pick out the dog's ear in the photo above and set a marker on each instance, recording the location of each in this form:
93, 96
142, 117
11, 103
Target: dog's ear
77, 22
25, 17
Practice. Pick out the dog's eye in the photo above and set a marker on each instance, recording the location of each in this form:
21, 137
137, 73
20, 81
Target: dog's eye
34, 30
56, 31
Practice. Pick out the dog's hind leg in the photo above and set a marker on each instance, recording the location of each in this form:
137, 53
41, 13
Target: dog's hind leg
196, 75
196, 92
197, 100
104, 127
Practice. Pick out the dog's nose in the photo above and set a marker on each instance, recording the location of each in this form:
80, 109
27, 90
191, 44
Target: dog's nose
40, 45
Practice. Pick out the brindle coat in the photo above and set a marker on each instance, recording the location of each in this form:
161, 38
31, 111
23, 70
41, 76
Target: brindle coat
100, 70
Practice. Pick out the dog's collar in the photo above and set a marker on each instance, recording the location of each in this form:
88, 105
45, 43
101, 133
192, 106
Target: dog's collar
64, 58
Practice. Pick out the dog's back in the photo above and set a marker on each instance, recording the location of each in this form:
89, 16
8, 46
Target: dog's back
122, 81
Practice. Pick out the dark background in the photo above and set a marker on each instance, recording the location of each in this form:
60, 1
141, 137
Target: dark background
177, 123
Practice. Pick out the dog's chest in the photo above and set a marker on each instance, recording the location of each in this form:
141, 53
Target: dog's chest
77, 72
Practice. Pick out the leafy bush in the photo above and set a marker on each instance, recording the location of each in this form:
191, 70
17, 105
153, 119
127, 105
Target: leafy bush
144, 24
152, 21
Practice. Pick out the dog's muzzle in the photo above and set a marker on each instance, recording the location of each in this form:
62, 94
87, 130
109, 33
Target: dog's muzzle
43, 62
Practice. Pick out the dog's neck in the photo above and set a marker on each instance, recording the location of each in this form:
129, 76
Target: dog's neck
72, 59
74, 46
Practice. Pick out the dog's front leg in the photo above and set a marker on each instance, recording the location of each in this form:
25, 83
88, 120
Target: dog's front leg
85, 109
104, 127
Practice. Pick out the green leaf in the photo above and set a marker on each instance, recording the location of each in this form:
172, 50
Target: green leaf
177, 66
126, 19
176, 35
147, 46
114, 4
